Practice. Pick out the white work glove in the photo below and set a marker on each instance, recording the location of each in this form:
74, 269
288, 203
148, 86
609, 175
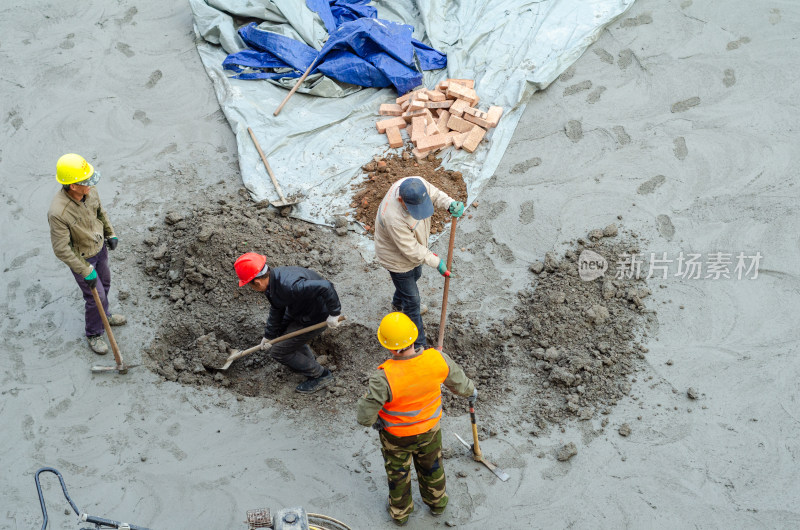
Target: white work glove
333, 321
474, 397
265, 344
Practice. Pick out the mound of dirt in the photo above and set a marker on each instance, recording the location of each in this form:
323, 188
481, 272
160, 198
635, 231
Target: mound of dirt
567, 352
384, 172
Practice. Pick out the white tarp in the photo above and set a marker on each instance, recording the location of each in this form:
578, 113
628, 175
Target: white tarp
317, 145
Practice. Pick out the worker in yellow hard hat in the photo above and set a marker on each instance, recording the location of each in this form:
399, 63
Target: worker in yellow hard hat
404, 402
81, 235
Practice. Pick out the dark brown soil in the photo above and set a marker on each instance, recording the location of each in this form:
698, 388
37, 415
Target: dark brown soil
568, 351
382, 173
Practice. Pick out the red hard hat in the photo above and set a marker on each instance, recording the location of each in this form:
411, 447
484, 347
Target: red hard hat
248, 265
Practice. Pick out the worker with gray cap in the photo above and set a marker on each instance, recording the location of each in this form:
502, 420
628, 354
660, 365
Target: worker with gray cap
402, 229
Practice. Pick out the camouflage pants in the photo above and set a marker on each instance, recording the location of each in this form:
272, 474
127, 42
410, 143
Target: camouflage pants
426, 451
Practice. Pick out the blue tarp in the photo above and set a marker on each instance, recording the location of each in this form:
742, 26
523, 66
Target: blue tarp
361, 50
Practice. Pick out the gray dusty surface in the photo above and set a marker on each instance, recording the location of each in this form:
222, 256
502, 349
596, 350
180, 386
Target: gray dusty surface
681, 119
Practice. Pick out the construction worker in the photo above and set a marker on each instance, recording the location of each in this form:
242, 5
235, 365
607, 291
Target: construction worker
82, 235
404, 402
402, 229
299, 298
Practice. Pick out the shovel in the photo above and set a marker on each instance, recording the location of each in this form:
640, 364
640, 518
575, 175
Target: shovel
476, 448
242, 353
284, 202
120, 367
443, 319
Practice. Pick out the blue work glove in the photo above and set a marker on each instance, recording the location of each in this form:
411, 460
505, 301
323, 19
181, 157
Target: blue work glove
443, 268
474, 397
112, 243
456, 208
91, 280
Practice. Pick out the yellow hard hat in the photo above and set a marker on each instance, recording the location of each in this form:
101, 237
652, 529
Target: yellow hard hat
72, 168
397, 331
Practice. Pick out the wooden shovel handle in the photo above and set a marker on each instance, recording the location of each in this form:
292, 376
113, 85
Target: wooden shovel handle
239, 355
294, 88
266, 165
476, 448
107, 326
442, 321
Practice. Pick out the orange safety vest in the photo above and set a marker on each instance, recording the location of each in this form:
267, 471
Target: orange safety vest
416, 386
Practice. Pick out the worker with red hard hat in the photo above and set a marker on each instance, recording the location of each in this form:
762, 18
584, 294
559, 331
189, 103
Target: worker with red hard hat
298, 298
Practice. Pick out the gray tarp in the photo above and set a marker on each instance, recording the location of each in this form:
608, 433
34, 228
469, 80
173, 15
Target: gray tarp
317, 145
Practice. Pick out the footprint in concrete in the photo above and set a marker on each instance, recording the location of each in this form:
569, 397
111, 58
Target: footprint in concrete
27, 427
67, 43
574, 130
686, 104
141, 116
730, 78
665, 227
774, 16
125, 49
522, 167
20, 260
222, 149
625, 58
567, 75
15, 120
680, 149
622, 137
594, 95
651, 185
578, 87
686, 3
604, 55
55, 410
495, 210
174, 429
155, 77
128, 18
526, 212
735, 44
280, 468
644, 18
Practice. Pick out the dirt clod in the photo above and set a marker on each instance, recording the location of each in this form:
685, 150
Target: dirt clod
624, 430
566, 452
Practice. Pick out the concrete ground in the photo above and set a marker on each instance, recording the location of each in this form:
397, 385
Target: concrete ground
682, 119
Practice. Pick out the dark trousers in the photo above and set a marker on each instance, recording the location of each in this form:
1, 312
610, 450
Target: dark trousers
425, 450
296, 353
406, 297
94, 324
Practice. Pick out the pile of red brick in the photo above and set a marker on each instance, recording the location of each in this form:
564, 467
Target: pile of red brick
435, 119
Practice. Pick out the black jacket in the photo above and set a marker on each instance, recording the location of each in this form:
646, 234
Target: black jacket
297, 294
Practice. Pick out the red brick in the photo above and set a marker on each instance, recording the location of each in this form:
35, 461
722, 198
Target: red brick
469, 83
404, 105
390, 109
457, 124
457, 108
458, 139
439, 104
422, 95
391, 122
476, 120
431, 142
493, 116
441, 123
431, 129
435, 95
409, 114
418, 125
416, 105
404, 98
442, 86
394, 137
419, 155
474, 139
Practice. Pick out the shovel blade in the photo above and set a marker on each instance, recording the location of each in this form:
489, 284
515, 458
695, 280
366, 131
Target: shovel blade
502, 475
120, 369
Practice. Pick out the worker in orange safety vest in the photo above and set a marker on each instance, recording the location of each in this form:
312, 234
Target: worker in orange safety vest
404, 402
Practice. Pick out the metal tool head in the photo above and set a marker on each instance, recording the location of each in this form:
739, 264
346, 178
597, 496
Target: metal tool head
502, 475
119, 368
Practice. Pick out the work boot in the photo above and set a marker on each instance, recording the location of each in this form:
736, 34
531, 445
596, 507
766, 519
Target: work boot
97, 344
117, 320
399, 522
315, 383
436, 511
